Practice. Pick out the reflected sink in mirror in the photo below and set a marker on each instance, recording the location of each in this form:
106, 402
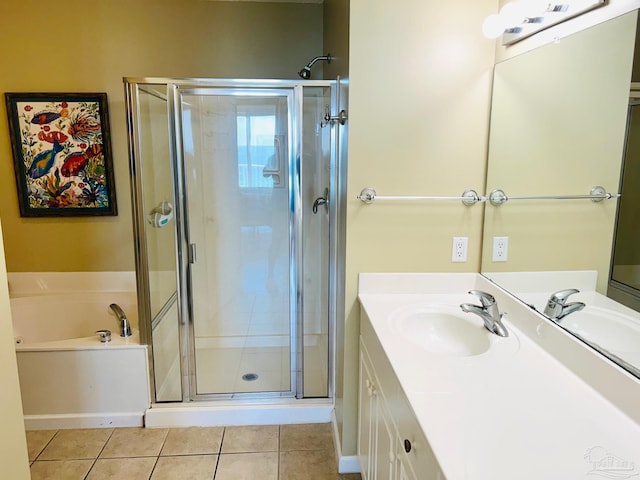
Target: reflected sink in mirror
444, 330
604, 324
615, 332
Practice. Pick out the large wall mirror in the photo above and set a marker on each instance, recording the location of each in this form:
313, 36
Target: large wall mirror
558, 129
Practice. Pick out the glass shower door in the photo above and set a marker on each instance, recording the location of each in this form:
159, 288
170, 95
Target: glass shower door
317, 212
156, 256
235, 148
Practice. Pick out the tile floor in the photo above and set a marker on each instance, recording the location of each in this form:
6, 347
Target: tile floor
271, 452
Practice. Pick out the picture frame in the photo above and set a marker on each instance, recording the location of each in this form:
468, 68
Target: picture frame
62, 159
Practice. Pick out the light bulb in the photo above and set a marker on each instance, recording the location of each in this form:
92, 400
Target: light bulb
536, 8
493, 26
513, 13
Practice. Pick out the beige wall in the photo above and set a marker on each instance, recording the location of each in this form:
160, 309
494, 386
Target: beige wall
336, 38
90, 46
420, 79
13, 445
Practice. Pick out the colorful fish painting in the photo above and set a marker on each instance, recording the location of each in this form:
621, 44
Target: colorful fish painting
61, 147
84, 128
43, 161
73, 163
52, 136
42, 118
94, 150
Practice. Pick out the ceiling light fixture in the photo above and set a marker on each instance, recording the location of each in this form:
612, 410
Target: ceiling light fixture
522, 18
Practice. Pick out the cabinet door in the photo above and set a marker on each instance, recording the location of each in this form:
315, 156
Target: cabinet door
366, 421
404, 471
385, 456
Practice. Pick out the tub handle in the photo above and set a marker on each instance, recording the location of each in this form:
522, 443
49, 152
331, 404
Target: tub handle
105, 335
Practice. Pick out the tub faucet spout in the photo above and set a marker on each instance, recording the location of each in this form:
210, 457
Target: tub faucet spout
123, 321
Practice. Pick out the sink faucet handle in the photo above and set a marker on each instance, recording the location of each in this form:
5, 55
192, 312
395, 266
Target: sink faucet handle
561, 296
486, 299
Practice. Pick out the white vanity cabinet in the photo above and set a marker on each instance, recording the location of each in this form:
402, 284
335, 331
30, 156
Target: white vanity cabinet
376, 432
391, 445
510, 411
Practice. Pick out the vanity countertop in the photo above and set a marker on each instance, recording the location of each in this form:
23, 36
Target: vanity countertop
512, 412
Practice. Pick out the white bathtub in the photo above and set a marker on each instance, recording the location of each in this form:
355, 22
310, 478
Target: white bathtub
68, 378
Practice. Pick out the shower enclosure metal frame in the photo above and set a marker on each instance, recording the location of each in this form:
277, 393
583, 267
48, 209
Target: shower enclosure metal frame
173, 87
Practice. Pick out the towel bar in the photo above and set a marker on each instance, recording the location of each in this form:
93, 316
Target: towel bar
468, 197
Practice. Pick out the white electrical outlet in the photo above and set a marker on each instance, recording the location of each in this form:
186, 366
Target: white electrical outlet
459, 250
500, 249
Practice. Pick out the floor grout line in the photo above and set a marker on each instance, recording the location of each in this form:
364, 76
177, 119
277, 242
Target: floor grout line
215, 471
43, 448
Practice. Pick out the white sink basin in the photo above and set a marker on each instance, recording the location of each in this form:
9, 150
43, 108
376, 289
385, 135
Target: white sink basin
442, 330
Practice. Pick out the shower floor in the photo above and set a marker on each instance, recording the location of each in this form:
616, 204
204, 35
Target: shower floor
245, 347
225, 367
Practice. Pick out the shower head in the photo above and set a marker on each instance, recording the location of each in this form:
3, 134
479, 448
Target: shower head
305, 73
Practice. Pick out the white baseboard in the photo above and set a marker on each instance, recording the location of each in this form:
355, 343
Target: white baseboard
346, 463
87, 420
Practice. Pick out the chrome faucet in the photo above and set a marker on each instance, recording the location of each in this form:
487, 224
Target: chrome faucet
557, 306
123, 322
488, 311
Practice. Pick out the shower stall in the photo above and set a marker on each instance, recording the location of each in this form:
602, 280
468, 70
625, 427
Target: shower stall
233, 187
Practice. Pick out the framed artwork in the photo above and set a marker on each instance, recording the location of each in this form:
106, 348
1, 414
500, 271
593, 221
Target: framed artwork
62, 154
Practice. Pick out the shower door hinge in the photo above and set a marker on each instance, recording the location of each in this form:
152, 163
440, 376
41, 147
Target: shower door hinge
192, 253
329, 119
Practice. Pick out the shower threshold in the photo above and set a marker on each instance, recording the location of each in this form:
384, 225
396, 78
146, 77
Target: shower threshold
239, 412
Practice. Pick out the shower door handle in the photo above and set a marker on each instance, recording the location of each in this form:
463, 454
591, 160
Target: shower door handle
322, 201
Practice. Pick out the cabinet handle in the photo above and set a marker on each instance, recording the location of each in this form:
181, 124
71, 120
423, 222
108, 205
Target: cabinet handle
407, 445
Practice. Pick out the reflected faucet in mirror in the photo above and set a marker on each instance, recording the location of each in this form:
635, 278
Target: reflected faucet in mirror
557, 306
488, 311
